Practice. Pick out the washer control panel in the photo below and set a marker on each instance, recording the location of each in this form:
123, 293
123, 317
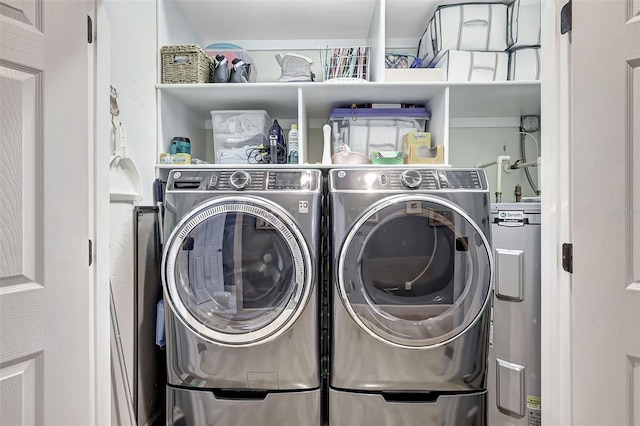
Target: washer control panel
411, 178
392, 179
240, 180
244, 180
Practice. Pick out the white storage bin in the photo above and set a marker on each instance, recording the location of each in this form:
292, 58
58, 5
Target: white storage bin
468, 26
366, 130
524, 63
524, 23
461, 65
237, 134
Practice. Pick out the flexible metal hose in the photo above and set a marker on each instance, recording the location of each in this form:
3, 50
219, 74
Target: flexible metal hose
523, 151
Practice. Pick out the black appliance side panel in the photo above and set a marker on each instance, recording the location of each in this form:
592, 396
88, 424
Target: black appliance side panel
150, 375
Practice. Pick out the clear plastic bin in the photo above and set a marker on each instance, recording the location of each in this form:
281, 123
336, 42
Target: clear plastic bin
238, 134
366, 130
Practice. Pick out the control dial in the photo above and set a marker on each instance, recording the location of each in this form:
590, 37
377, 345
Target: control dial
239, 179
411, 178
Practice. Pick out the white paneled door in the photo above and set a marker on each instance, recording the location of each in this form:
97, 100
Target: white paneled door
47, 356
605, 105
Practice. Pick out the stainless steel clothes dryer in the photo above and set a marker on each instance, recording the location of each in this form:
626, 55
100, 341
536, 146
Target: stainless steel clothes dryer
412, 272
240, 274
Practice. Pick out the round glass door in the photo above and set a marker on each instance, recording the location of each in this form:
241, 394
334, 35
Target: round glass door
236, 271
415, 271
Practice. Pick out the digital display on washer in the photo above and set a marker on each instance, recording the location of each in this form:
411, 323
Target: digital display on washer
463, 179
288, 180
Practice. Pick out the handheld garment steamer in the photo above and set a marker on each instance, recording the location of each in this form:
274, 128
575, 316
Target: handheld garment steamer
277, 144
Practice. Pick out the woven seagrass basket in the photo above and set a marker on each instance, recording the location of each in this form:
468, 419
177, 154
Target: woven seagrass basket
186, 63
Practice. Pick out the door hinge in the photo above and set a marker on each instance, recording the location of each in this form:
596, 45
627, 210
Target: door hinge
90, 252
567, 257
565, 18
89, 30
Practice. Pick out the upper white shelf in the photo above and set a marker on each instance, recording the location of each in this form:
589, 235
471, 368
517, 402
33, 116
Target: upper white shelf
494, 99
466, 99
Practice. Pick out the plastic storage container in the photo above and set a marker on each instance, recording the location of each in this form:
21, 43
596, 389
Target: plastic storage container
180, 145
238, 134
367, 130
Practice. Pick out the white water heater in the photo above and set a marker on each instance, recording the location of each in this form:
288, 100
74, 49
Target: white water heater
513, 381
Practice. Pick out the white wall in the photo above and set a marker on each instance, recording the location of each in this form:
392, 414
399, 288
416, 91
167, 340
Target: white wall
468, 146
134, 56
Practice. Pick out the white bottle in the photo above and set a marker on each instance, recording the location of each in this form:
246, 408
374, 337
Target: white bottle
326, 149
292, 145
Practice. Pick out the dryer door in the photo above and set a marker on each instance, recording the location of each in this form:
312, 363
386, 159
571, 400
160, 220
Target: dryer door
237, 271
415, 271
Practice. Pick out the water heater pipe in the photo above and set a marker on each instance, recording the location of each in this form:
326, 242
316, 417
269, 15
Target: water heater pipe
498, 162
523, 165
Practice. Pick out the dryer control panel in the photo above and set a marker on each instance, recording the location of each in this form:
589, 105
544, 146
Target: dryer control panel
245, 180
405, 179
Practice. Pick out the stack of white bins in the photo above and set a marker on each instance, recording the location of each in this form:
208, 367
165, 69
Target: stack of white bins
484, 41
524, 40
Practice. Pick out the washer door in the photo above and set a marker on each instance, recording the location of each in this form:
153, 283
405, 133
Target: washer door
237, 271
415, 271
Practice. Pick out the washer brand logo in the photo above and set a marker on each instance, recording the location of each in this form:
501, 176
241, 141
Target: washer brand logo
303, 206
414, 207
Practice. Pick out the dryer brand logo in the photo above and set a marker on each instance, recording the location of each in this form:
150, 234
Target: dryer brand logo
303, 206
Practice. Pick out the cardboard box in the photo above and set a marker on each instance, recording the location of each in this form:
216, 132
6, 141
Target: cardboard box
416, 139
424, 155
180, 158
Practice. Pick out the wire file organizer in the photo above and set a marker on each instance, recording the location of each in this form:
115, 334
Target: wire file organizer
345, 63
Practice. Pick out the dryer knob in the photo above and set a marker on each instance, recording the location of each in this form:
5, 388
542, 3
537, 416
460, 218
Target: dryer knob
240, 179
411, 178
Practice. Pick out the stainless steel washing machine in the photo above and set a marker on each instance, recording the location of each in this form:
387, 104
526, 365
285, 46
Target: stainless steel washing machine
240, 272
412, 272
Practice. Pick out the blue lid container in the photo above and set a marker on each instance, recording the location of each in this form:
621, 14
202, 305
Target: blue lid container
180, 145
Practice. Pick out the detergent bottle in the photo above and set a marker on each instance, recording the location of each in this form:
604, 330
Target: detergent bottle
292, 145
